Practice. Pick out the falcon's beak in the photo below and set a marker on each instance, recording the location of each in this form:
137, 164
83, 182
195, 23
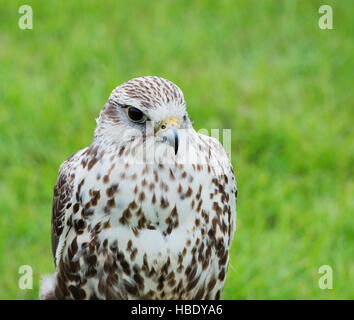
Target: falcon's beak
168, 132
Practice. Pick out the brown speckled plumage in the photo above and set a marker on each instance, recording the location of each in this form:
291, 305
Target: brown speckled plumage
128, 229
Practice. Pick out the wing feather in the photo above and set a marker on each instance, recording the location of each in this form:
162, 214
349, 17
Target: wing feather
62, 199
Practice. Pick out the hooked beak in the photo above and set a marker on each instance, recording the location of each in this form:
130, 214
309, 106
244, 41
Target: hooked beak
168, 132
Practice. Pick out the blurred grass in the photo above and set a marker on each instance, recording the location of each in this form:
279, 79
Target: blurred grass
262, 68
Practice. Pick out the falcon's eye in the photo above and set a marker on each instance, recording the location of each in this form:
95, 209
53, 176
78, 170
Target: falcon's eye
136, 115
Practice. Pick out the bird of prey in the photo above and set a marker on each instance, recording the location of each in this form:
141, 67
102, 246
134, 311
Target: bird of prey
148, 210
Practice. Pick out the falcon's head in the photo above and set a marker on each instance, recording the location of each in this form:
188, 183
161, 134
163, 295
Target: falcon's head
140, 104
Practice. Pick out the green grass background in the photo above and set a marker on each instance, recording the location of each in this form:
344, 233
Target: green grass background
262, 68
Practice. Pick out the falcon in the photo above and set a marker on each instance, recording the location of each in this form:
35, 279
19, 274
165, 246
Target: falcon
148, 210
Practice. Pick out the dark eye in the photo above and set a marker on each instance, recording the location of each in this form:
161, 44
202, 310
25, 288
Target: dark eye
135, 115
